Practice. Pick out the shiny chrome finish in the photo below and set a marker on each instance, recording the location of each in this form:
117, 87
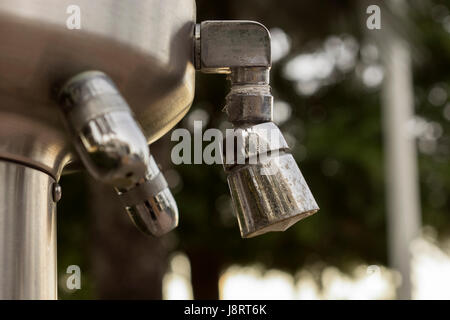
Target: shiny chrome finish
114, 150
150, 203
27, 233
106, 135
34, 143
56, 192
268, 190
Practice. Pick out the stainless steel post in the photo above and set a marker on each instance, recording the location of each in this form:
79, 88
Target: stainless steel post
145, 46
27, 233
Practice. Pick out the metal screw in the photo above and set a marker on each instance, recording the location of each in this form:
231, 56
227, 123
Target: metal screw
56, 192
197, 43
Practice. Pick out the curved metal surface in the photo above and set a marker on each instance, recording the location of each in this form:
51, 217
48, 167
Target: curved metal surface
27, 233
145, 46
150, 204
104, 130
36, 144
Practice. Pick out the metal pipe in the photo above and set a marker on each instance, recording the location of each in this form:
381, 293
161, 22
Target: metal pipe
27, 233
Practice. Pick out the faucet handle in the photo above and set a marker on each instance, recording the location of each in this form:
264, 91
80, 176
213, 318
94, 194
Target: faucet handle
108, 139
114, 150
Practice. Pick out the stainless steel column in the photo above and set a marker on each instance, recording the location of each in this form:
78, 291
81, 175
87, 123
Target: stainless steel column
27, 233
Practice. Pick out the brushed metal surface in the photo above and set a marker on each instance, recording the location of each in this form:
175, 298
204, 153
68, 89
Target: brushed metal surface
265, 203
35, 143
225, 45
27, 233
267, 187
145, 46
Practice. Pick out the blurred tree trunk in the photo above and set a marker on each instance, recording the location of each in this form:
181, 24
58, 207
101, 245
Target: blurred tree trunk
206, 267
126, 263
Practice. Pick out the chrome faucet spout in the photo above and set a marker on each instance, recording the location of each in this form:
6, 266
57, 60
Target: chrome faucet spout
113, 148
108, 139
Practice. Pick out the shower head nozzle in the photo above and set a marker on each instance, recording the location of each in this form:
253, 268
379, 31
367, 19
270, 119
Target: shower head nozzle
268, 190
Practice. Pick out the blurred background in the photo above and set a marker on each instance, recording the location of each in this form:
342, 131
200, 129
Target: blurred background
367, 115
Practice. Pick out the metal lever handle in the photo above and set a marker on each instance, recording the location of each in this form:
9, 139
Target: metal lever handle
108, 139
114, 150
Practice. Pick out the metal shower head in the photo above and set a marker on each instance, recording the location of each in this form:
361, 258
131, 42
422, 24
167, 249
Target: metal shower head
268, 190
